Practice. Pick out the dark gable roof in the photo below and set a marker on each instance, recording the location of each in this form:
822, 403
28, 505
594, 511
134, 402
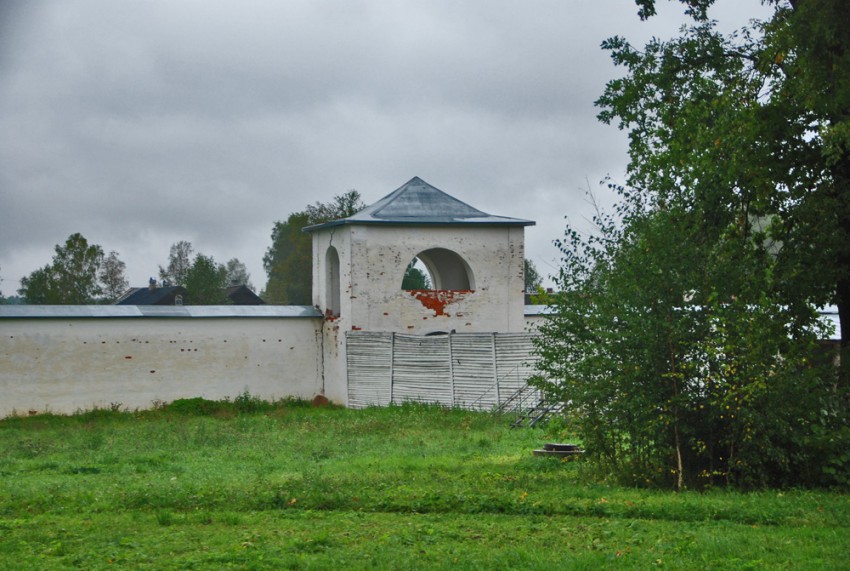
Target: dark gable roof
417, 202
146, 296
241, 295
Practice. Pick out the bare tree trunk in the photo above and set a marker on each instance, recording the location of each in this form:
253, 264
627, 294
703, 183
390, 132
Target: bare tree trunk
674, 385
680, 480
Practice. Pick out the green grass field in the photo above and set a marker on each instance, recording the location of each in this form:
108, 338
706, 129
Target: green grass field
195, 486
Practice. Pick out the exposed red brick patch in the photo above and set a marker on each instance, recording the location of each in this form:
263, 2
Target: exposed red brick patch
320, 400
437, 299
355, 328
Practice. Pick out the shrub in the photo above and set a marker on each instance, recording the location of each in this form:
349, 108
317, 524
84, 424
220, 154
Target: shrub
680, 366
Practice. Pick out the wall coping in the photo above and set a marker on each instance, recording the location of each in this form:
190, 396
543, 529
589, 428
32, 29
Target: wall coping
170, 311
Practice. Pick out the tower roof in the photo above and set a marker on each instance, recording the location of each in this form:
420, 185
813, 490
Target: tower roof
416, 203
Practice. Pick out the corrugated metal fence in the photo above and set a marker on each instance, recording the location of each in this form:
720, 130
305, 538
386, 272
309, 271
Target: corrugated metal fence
470, 370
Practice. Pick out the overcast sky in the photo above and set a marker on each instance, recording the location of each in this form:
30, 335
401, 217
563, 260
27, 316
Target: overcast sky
142, 123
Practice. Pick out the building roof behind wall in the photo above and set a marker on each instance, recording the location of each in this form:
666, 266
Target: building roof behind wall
417, 202
829, 316
162, 295
242, 295
166, 295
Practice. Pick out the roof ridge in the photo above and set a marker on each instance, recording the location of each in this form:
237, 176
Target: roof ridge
418, 202
418, 185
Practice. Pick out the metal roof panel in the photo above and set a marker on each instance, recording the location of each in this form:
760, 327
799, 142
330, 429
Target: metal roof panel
417, 202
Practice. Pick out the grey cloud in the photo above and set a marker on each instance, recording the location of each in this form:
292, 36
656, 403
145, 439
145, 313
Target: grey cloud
143, 123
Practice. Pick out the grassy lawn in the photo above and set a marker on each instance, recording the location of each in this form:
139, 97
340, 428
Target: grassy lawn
294, 487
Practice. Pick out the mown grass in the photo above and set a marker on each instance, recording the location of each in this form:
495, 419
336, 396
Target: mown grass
250, 485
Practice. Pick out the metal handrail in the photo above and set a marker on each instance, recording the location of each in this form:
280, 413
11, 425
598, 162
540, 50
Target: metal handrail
527, 400
499, 406
493, 386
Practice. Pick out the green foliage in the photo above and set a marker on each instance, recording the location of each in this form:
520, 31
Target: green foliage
111, 275
414, 278
237, 274
684, 340
38, 288
677, 364
409, 486
533, 279
71, 278
244, 403
206, 282
288, 261
197, 406
541, 296
759, 122
179, 263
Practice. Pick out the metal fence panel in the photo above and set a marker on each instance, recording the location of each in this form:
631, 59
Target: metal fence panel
471, 370
369, 361
514, 361
421, 369
474, 370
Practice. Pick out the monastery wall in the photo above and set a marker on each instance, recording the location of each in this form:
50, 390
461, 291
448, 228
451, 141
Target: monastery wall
65, 364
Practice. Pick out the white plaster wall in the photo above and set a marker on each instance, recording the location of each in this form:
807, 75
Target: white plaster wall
335, 365
372, 263
333, 341
494, 254
66, 364
340, 238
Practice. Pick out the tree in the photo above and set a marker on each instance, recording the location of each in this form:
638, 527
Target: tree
677, 360
414, 278
756, 124
288, 261
340, 206
683, 340
237, 274
179, 262
205, 282
111, 276
38, 288
70, 279
532, 276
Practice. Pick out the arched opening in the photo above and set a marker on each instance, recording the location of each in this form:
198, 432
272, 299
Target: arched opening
438, 269
332, 284
416, 276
